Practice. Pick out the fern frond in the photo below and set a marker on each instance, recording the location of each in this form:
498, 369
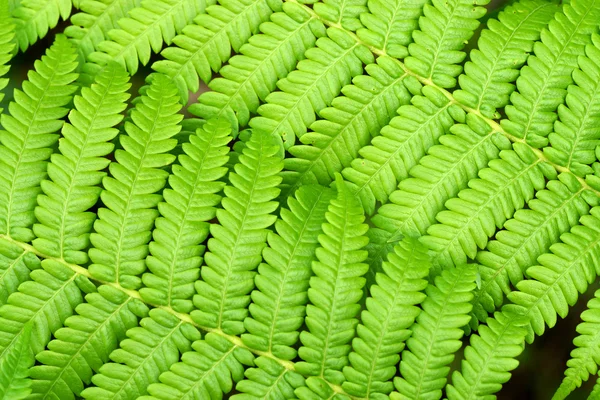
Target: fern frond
14, 368
15, 265
207, 43
64, 223
344, 13
29, 135
542, 84
96, 18
277, 308
399, 146
143, 32
252, 74
122, 230
489, 358
34, 18
149, 350
336, 288
586, 356
85, 343
445, 27
437, 334
238, 240
502, 50
367, 105
314, 84
204, 373
389, 25
576, 133
595, 393
473, 216
390, 311
176, 253
7, 34
564, 272
524, 238
269, 381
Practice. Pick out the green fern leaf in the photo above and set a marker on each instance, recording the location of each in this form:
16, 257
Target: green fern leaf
586, 356
446, 26
7, 34
207, 43
84, 344
27, 142
336, 288
389, 25
237, 242
344, 13
15, 265
74, 173
149, 350
318, 389
595, 394
34, 18
176, 253
524, 238
314, 84
576, 133
367, 105
544, 80
269, 381
14, 369
251, 75
436, 335
277, 310
489, 358
122, 230
390, 311
561, 275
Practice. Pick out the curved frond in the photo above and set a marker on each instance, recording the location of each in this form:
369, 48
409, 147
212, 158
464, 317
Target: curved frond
344, 13
252, 75
436, 336
149, 350
190, 202
278, 305
122, 230
15, 265
34, 18
84, 344
489, 358
542, 84
74, 173
348, 125
524, 238
310, 88
445, 27
7, 35
14, 369
238, 240
29, 135
390, 311
268, 381
335, 290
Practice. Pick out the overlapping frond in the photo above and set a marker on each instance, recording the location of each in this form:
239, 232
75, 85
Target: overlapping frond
445, 27
149, 350
238, 240
34, 18
310, 88
348, 125
524, 238
586, 355
577, 133
190, 202
29, 135
542, 84
14, 369
143, 32
253, 73
335, 290
564, 272
124, 224
436, 336
390, 311
7, 34
96, 18
74, 172
206, 44
489, 358
278, 303
84, 344
340, 12
269, 381
15, 265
